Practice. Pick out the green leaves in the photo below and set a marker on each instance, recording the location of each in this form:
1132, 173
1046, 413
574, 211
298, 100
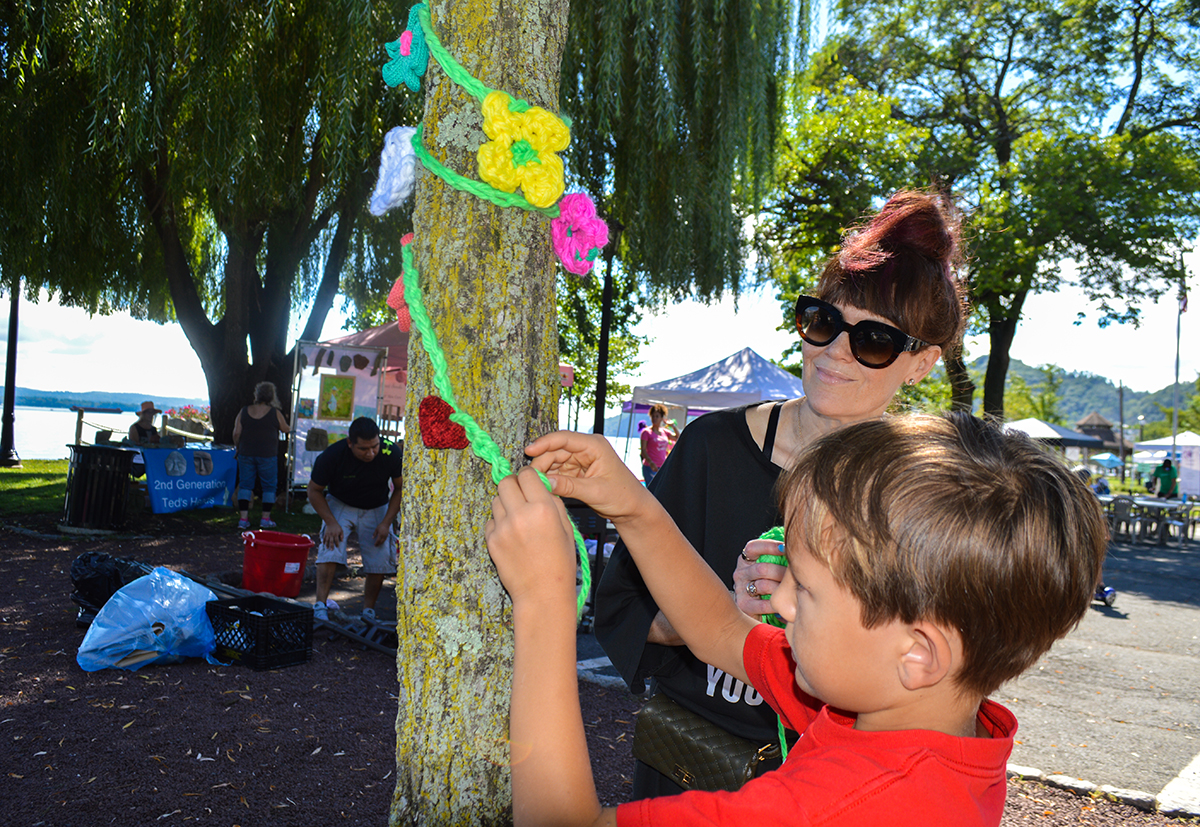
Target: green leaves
1068, 129
674, 108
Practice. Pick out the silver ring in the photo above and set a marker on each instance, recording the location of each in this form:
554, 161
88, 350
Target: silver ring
751, 589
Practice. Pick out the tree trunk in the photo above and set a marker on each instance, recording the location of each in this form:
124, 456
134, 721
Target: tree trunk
962, 389
1002, 327
487, 276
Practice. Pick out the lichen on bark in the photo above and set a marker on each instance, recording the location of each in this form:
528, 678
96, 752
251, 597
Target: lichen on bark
487, 277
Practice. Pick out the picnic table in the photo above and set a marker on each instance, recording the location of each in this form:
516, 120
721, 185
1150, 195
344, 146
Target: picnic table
1152, 515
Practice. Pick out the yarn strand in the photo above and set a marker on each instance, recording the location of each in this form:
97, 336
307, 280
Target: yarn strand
482, 445
470, 186
453, 68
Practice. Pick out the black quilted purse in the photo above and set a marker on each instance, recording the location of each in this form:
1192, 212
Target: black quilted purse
693, 752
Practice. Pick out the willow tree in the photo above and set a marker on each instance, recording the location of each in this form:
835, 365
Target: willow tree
203, 162
487, 276
675, 108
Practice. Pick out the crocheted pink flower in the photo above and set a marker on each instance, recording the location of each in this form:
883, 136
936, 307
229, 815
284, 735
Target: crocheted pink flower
578, 235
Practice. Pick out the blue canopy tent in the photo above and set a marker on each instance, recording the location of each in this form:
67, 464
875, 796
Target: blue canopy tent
1107, 460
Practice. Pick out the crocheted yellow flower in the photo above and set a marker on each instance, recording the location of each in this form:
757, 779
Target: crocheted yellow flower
521, 150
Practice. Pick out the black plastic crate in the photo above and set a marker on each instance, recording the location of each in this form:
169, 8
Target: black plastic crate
261, 632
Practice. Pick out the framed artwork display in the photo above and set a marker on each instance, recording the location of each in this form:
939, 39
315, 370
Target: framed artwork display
336, 399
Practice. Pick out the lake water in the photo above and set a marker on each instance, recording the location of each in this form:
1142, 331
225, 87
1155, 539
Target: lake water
44, 433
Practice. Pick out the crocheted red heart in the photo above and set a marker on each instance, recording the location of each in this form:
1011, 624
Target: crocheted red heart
437, 431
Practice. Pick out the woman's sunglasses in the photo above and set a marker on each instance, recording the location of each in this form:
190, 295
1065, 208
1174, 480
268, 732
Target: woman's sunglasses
874, 344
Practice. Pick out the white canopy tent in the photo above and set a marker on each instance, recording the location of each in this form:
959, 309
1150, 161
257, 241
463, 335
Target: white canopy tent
1056, 435
1187, 458
738, 379
1182, 439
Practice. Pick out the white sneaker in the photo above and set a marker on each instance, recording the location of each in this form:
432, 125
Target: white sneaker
367, 616
320, 612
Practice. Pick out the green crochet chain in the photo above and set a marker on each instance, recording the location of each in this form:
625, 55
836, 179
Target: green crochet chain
482, 445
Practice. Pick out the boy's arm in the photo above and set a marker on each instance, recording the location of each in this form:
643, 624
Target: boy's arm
530, 542
686, 589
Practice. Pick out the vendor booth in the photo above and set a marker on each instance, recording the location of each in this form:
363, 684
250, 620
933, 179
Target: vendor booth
1186, 459
738, 379
340, 380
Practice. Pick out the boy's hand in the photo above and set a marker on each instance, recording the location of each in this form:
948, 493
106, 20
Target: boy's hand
586, 467
530, 540
766, 577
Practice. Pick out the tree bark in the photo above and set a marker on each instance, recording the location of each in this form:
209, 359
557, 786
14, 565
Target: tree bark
962, 389
1002, 328
487, 276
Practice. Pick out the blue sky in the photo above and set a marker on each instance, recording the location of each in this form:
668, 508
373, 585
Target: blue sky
63, 349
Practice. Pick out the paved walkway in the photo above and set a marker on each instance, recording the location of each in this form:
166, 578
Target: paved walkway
1116, 704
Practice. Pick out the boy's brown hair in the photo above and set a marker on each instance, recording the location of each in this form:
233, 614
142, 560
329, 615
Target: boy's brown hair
950, 519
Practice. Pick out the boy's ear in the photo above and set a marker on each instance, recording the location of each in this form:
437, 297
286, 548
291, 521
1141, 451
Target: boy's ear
929, 658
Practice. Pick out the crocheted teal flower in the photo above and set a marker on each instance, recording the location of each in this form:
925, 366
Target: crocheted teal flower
409, 55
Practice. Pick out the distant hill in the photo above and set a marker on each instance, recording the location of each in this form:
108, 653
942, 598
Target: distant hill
1082, 393
32, 398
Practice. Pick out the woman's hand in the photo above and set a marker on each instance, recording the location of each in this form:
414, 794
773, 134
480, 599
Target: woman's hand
584, 466
766, 577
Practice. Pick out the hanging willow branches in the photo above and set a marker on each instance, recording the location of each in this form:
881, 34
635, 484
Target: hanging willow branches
674, 107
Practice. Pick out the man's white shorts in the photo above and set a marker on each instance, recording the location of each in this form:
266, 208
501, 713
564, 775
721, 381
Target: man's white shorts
379, 559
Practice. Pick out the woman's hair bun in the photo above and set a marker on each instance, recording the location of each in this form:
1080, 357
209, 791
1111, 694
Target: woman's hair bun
903, 263
911, 221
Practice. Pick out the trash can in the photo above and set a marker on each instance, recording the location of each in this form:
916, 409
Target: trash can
97, 486
273, 562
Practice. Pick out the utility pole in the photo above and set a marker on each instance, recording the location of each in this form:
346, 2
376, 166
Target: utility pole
1121, 452
614, 240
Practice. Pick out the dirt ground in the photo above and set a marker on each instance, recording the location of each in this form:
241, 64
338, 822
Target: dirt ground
305, 745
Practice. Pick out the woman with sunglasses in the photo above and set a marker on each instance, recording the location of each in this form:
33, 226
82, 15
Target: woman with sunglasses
887, 306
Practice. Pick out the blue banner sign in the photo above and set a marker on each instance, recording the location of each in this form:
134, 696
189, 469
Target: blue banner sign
184, 479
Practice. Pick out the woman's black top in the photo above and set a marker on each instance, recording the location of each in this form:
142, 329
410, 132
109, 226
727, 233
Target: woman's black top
718, 485
259, 437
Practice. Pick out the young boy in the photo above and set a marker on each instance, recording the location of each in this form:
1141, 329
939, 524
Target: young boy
930, 560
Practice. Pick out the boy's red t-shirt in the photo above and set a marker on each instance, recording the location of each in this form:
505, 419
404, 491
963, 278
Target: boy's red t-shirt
836, 775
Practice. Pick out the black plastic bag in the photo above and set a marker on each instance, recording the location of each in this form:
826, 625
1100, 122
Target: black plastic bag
96, 576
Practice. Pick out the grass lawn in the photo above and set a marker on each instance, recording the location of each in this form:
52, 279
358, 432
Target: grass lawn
39, 487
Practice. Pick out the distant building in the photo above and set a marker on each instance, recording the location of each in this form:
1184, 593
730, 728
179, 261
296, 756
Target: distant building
1095, 425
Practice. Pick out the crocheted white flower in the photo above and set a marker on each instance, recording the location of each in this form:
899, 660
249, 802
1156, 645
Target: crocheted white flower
397, 170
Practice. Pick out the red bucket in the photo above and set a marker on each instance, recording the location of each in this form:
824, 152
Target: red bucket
273, 562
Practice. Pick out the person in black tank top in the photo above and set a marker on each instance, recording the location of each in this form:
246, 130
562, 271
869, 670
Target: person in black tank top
143, 431
256, 434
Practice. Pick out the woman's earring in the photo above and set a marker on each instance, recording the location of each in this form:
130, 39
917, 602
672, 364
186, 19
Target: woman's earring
911, 381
